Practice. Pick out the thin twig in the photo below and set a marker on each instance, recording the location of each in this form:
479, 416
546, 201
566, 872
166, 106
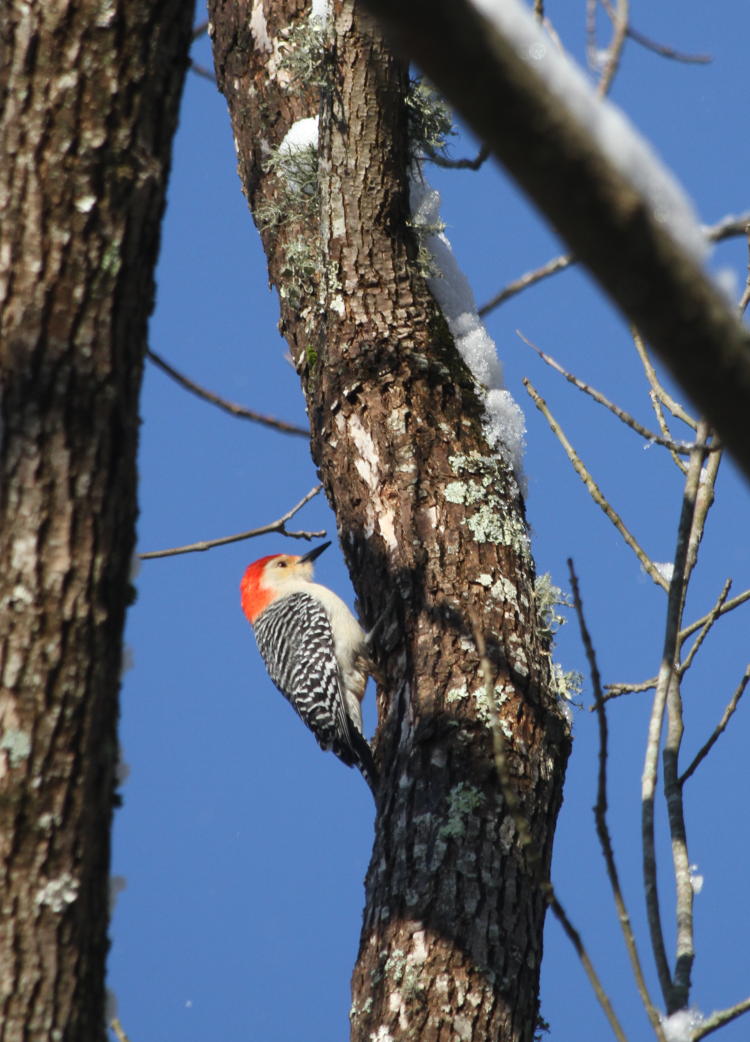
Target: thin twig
525, 839
200, 29
718, 730
711, 618
729, 606
675, 991
624, 417
728, 227
615, 690
118, 1030
539, 9
658, 48
275, 526
594, 491
222, 403
459, 164
619, 20
575, 939
529, 279
668, 52
674, 407
719, 1019
201, 70
600, 813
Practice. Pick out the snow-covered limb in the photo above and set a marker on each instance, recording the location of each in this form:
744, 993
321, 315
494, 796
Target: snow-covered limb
611, 130
632, 239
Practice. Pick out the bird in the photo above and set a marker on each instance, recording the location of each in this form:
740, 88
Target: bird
314, 650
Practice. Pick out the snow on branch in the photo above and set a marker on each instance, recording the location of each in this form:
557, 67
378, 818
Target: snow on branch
596, 180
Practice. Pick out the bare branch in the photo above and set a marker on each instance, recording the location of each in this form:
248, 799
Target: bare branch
539, 9
674, 407
668, 52
728, 227
594, 492
720, 727
619, 20
674, 446
719, 1019
675, 990
201, 70
275, 526
230, 407
615, 690
200, 29
529, 279
729, 606
118, 1029
600, 813
710, 620
459, 164
525, 838
651, 45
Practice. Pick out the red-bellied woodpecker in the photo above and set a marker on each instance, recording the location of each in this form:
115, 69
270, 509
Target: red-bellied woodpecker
314, 650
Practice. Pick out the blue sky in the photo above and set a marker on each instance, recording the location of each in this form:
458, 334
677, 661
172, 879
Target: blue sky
243, 847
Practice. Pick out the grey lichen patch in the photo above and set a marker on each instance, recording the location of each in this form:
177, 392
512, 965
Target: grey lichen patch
362, 1010
566, 684
297, 202
485, 484
395, 965
479, 697
58, 893
430, 121
17, 744
549, 598
303, 54
457, 694
463, 800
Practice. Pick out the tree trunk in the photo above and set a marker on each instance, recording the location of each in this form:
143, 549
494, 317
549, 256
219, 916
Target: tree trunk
432, 524
88, 108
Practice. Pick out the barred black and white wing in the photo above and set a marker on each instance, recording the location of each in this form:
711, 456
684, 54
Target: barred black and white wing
295, 640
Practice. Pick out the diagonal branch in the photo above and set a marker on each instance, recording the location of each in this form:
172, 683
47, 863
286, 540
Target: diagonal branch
710, 620
529, 279
275, 526
718, 730
230, 407
674, 989
679, 447
594, 491
600, 812
719, 1019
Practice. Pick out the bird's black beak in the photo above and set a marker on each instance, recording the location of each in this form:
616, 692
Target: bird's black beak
312, 554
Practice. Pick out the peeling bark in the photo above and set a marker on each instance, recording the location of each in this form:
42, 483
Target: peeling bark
433, 529
88, 108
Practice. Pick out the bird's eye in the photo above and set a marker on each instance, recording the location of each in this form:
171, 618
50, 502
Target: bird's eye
281, 564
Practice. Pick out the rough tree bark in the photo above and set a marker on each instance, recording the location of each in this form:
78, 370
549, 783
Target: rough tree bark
432, 526
88, 108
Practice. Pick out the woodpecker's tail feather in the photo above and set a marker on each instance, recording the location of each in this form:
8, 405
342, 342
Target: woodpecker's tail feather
356, 752
366, 762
